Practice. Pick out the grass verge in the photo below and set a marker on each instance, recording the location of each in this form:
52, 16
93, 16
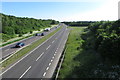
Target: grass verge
73, 46
27, 49
82, 61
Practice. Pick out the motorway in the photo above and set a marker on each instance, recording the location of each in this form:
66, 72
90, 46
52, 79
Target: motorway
8, 50
40, 62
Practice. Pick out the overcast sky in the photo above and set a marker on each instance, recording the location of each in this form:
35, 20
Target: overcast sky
63, 10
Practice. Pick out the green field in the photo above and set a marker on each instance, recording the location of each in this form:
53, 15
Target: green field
27, 49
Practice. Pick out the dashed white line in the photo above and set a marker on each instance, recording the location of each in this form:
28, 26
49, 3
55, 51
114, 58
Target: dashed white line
53, 41
54, 54
27, 54
47, 68
44, 74
56, 50
48, 47
53, 57
51, 60
49, 64
39, 56
24, 73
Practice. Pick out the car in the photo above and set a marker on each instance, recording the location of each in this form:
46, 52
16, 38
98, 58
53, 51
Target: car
37, 34
47, 29
19, 45
42, 34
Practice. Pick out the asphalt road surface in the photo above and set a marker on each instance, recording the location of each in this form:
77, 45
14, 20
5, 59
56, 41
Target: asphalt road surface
42, 61
10, 49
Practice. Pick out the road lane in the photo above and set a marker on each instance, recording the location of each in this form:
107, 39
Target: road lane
8, 50
44, 60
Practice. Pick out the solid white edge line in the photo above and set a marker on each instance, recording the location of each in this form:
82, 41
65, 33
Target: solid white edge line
28, 54
39, 56
12, 53
53, 41
6, 50
24, 73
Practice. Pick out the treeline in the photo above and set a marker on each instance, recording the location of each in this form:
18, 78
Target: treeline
104, 38
12, 25
79, 23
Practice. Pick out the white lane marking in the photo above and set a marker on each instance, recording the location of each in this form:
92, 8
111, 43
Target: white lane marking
54, 54
24, 73
53, 41
39, 56
47, 68
51, 60
44, 74
56, 50
49, 64
27, 54
53, 57
48, 47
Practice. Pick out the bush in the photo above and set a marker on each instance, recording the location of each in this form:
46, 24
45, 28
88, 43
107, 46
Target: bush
20, 35
104, 38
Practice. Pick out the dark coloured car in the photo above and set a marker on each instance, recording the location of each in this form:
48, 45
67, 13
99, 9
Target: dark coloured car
42, 34
47, 29
19, 45
37, 34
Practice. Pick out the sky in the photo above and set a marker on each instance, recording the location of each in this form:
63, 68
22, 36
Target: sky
77, 10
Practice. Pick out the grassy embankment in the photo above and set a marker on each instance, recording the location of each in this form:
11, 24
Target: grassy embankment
78, 62
27, 49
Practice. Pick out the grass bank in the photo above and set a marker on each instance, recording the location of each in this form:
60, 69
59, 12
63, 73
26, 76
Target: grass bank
82, 61
73, 50
78, 62
27, 49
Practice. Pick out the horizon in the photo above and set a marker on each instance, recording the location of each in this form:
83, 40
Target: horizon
63, 11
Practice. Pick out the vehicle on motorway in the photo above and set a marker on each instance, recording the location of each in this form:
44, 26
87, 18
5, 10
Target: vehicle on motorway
47, 29
37, 34
42, 34
19, 45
